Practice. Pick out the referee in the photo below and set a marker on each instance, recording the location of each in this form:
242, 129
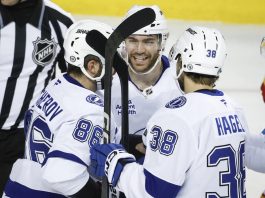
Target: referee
31, 45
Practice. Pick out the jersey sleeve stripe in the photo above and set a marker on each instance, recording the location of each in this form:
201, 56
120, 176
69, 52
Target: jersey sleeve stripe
64, 155
157, 187
24, 192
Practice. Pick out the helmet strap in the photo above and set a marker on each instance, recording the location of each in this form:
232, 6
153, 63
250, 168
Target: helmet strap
100, 84
180, 72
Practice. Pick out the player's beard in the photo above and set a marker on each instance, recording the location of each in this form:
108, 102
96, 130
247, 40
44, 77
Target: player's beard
152, 63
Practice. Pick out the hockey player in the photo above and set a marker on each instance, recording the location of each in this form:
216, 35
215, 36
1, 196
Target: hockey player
195, 140
262, 88
262, 51
255, 153
63, 124
149, 75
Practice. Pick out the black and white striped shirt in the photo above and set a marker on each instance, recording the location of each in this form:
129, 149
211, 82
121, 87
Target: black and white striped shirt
29, 52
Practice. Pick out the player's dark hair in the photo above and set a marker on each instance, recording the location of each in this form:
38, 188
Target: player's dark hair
71, 69
202, 78
199, 78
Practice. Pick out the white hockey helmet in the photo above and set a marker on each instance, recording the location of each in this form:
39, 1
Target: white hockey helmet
76, 47
202, 50
159, 26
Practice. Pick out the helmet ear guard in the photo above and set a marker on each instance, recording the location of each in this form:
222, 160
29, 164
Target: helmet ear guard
202, 50
76, 47
159, 26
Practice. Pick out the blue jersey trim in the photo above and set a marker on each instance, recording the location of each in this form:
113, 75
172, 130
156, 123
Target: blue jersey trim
64, 155
72, 80
165, 62
157, 187
17, 190
211, 92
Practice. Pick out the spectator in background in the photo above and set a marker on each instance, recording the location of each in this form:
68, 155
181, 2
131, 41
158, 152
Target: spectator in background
31, 45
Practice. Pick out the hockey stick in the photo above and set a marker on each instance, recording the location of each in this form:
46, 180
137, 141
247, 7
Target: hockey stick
121, 68
133, 23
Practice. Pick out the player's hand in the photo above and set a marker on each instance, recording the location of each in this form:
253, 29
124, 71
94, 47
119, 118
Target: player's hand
109, 160
140, 147
263, 90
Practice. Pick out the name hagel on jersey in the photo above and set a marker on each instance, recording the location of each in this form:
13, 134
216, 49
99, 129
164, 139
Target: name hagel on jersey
143, 103
29, 52
204, 147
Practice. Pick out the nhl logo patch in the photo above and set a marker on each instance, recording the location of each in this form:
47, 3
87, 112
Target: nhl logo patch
44, 51
95, 99
177, 102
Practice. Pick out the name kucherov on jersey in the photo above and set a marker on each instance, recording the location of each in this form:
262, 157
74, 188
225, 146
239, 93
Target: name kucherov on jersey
48, 105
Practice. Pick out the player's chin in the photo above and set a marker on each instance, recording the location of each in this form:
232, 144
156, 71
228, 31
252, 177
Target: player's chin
141, 66
140, 69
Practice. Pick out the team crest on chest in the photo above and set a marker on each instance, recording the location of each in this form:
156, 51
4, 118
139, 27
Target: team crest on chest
177, 102
44, 51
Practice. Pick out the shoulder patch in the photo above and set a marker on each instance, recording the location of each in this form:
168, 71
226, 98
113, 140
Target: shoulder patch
95, 99
177, 102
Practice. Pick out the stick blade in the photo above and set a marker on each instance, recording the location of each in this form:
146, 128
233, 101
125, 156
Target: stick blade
97, 41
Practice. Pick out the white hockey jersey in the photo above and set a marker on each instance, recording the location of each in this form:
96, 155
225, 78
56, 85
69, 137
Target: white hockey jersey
61, 127
255, 152
143, 103
195, 148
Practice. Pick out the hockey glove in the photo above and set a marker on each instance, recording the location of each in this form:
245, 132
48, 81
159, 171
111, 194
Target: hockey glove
263, 132
263, 90
109, 160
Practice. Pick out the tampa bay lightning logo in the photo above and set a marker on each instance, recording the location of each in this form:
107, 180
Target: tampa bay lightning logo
95, 99
177, 102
